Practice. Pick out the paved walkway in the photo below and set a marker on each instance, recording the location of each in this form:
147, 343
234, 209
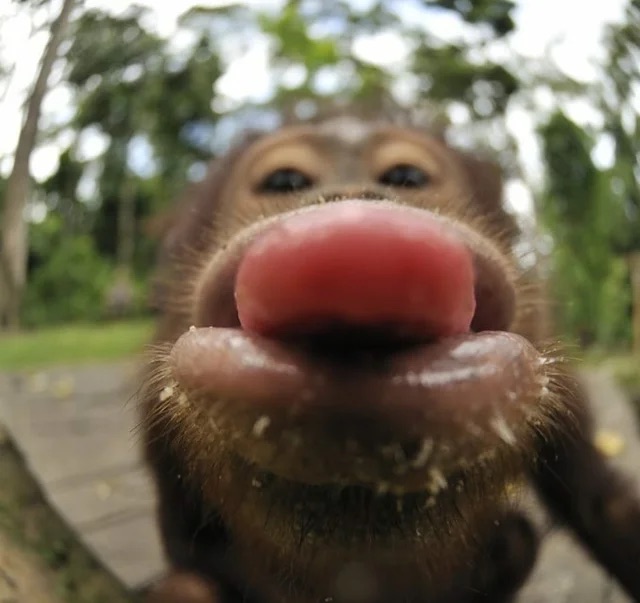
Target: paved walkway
76, 430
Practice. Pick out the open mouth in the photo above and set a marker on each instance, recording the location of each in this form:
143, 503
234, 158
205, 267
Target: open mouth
360, 343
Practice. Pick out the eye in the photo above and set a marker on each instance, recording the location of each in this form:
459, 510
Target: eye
285, 180
404, 175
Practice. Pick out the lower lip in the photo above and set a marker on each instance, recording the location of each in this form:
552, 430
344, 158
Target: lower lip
460, 377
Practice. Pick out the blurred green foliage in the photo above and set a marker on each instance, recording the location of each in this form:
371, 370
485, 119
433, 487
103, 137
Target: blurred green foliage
594, 214
154, 112
68, 283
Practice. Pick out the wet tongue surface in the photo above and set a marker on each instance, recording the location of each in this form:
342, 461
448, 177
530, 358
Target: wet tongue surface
359, 265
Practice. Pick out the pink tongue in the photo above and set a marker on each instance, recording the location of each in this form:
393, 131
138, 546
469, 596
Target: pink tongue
356, 264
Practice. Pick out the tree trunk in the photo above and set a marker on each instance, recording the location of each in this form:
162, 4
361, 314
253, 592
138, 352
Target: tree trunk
120, 296
126, 225
14, 229
634, 271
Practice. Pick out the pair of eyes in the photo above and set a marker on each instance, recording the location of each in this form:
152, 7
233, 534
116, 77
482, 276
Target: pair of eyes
289, 180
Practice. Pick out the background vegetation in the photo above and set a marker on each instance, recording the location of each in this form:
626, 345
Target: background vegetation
144, 113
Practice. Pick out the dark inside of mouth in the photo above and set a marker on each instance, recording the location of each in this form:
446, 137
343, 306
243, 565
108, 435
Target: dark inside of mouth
350, 342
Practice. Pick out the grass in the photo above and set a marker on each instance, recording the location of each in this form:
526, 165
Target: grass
73, 344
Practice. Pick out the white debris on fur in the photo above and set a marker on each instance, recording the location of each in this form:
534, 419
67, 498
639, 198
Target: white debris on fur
382, 487
430, 502
166, 393
438, 481
544, 385
260, 426
423, 454
502, 430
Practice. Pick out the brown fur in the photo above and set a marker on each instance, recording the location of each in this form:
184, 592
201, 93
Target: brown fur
229, 540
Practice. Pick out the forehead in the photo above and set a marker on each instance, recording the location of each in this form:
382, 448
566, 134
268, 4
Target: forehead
346, 132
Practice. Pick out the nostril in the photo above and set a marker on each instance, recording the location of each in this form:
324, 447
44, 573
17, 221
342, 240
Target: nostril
495, 296
214, 297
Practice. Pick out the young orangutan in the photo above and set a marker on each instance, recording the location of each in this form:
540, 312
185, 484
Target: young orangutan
351, 380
